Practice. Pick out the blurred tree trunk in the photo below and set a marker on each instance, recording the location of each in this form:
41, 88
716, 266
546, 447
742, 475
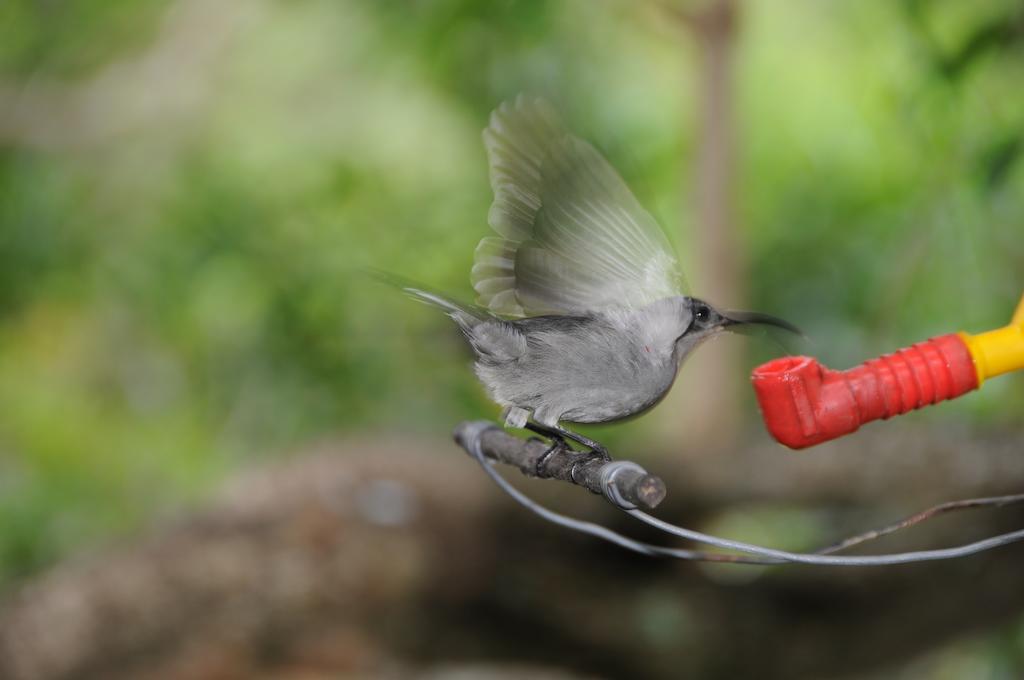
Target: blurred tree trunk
707, 409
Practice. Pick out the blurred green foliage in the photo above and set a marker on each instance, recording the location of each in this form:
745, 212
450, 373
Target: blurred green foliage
189, 190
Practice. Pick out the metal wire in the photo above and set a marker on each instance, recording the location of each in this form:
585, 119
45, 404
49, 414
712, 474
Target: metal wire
836, 560
753, 554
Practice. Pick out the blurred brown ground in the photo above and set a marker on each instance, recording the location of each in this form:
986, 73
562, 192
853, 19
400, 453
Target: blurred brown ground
397, 558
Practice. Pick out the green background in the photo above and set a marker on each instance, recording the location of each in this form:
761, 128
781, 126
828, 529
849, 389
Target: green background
189, 192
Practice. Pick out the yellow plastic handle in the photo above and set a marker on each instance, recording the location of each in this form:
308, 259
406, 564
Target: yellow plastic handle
999, 351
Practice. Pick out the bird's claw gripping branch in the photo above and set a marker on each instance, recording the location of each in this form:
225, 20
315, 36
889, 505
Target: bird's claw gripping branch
624, 483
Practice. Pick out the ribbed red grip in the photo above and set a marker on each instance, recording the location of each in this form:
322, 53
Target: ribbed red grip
804, 403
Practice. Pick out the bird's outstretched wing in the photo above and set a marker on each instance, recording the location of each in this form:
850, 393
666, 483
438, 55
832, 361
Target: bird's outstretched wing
571, 237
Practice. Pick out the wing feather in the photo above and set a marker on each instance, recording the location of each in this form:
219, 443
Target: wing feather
571, 236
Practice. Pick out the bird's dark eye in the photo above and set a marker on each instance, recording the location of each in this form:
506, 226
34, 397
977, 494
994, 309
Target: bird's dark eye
702, 313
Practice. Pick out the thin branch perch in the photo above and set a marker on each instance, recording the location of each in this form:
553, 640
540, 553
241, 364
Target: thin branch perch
624, 483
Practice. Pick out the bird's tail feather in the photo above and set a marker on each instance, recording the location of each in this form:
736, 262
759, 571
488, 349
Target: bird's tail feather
463, 314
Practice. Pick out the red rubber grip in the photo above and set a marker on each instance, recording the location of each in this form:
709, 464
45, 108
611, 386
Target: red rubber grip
804, 403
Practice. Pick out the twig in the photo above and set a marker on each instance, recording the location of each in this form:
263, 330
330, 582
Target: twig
917, 518
833, 560
624, 483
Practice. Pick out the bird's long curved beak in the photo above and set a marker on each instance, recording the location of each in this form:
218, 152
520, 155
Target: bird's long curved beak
737, 321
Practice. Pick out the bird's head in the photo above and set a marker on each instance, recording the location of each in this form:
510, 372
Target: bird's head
706, 321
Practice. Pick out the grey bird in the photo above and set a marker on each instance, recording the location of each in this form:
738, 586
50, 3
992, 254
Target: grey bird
581, 313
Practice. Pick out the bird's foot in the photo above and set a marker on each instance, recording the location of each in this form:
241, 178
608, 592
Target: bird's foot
540, 468
597, 450
600, 452
559, 435
597, 455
